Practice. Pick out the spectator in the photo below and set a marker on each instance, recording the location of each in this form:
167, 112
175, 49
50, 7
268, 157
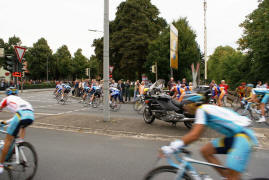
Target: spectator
184, 81
259, 85
136, 89
170, 83
127, 89
120, 87
141, 88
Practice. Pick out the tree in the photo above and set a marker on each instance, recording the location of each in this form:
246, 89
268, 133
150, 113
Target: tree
63, 63
188, 51
79, 63
227, 64
37, 58
95, 67
137, 23
255, 42
8, 47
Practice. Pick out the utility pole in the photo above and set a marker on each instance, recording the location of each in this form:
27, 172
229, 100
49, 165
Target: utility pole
47, 68
205, 40
106, 61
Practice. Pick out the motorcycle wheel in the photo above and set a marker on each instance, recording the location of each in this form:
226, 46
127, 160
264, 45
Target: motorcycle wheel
188, 124
148, 116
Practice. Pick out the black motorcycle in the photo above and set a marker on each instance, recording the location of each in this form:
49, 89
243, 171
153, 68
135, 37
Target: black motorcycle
163, 107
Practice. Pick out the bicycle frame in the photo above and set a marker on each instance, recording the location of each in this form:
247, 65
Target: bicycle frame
17, 151
186, 165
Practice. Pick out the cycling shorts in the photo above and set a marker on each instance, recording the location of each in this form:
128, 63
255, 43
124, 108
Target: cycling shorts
22, 118
265, 99
237, 148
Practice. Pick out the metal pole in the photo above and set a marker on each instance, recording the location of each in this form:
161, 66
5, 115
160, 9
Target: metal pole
171, 72
106, 61
205, 40
47, 68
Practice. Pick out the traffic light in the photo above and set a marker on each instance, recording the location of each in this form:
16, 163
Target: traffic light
9, 63
22, 65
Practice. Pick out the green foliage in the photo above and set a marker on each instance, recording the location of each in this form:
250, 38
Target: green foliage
226, 64
188, 52
94, 64
79, 64
37, 58
255, 41
64, 64
8, 47
137, 23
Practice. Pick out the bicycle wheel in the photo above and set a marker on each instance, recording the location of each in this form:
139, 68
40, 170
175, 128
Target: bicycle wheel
244, 112
165, 173
96, 102
28, 162
115, 106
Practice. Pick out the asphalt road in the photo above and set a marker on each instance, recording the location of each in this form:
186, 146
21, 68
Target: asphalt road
69, 156
45, 105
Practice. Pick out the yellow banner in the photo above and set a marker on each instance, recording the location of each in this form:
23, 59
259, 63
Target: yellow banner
173, 47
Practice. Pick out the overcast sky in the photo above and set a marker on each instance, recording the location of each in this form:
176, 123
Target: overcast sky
67, 21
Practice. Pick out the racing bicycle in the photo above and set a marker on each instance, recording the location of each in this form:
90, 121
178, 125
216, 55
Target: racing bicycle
180, 167
21, 161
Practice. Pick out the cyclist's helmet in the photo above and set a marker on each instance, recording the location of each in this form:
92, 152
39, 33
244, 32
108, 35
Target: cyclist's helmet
198, 99
11, 91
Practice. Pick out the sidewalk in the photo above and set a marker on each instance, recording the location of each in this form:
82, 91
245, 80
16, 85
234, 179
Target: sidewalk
131, 127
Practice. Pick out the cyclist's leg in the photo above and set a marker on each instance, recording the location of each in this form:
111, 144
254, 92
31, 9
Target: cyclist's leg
208, 152
238, 156
220, 98
264, 100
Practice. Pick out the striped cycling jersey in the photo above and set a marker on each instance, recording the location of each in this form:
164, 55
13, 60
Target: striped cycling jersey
224, 121
260, 91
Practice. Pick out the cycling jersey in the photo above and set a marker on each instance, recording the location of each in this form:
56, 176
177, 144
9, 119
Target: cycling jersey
239, 139
188, 89
262, 91
114, 91
24, 113
180, 91
58, 86
15, 103
216, 90
87, 89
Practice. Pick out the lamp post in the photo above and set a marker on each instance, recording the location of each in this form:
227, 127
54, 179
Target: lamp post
105, 60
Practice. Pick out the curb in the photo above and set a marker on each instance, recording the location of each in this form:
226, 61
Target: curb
115, 133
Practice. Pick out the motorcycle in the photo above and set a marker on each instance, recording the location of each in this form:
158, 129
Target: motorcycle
161, 106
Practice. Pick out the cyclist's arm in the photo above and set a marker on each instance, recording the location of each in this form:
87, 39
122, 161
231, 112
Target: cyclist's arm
198, 128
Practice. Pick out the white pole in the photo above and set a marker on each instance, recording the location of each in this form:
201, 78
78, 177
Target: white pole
106, 61
205, 39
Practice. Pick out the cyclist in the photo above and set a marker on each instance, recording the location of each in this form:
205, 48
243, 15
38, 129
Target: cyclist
114, 93
65, 88
23, 117
188, 89
86, 91
265, 93
178, 91
218, 93
241, 90
96, 91
238, 141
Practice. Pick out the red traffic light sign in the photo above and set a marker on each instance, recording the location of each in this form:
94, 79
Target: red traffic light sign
20, 52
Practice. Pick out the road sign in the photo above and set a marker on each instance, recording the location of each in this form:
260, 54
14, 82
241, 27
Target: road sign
20, 52
111, 69
16, 74
6, 73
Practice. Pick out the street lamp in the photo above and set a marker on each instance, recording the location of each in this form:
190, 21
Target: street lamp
94, 30
205, 39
